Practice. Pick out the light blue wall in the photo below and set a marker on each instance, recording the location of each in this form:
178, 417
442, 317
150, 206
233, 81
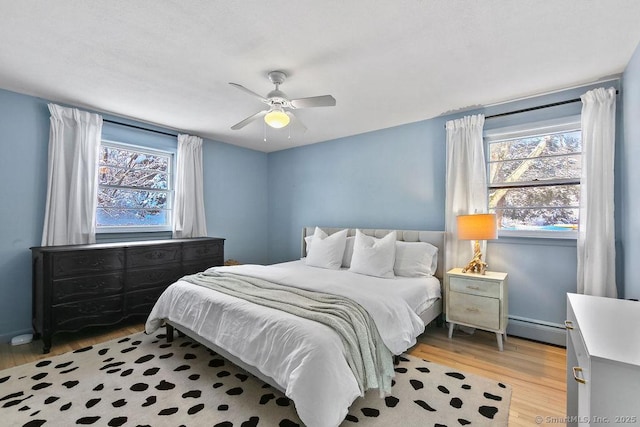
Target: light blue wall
24, 136
235, 198
395, 178
630, 158
375, 179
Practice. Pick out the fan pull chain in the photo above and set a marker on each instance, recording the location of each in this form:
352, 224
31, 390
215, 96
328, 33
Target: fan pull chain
264, 127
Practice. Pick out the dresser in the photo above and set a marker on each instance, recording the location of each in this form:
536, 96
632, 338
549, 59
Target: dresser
478, 301
76, 286
603, 361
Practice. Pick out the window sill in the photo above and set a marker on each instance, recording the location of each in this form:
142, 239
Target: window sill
110, 237
539, 234
533, 238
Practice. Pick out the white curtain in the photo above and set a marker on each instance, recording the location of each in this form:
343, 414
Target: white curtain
188, 212
596, 235
74, 144
466, 191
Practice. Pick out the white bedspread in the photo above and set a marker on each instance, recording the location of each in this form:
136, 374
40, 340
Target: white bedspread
303, 357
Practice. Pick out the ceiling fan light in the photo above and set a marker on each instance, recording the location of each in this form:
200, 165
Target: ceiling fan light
277, 118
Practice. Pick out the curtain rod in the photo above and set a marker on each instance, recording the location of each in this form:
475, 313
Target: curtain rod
539, 107
139, 127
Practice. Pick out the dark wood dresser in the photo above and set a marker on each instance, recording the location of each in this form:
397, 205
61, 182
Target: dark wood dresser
77, 286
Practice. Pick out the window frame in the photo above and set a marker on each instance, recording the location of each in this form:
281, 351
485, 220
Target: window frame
527, 130
170, 190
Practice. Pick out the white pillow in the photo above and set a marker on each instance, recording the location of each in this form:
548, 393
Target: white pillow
415, 259
326, 251
374, 257
348, 252
308, 241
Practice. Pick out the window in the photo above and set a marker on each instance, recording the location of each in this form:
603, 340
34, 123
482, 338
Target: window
534, 178
134, 189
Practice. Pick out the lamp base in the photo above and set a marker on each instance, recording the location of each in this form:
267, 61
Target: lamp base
476, 265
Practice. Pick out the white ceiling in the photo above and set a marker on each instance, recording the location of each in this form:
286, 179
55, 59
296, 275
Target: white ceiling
387, 63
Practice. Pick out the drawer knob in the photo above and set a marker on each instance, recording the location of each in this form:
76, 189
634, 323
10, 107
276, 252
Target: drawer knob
579, 378
568, 324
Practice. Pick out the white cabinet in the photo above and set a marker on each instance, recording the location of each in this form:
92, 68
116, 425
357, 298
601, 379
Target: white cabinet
603, 361
477, 300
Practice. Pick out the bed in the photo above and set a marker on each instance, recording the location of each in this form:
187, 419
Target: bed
306, 359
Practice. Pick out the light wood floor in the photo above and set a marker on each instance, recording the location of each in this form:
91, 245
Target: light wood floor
535, 371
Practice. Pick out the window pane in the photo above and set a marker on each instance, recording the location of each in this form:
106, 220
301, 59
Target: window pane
528, 160
544, 145
144, 178
131, 199
535, 207
520, 197
111, 217
134, 187
559, 219
540, 168
131, 159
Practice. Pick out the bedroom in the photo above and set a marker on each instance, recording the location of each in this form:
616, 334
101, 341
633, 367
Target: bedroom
260, 200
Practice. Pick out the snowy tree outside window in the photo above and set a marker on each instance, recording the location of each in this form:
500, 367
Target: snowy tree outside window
534, 178
134, 188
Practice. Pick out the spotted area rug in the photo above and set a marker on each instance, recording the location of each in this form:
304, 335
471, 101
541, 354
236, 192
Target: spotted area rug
141, 380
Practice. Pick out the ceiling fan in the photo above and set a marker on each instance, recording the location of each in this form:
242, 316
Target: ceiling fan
279, 115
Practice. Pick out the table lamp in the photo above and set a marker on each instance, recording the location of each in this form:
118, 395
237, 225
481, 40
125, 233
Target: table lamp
476, 227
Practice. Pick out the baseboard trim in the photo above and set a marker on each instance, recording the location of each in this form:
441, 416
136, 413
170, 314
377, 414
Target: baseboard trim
538, 330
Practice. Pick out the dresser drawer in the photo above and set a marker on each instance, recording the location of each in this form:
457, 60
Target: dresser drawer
141, 302
153, 255
481, 312
99, 311
200, 251
160, 276
87, 287
474, 286
66, 264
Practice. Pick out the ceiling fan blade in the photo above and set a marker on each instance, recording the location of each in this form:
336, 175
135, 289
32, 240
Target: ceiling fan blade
296, 121
314, 101
250, 92
249, 119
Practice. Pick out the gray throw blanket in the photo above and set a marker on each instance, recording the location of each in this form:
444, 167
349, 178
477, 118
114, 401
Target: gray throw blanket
367, 355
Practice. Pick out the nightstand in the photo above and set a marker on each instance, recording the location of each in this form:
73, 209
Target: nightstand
479, 301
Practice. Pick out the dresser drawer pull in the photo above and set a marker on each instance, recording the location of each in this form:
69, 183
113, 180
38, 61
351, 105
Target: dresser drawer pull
568, 324
474, 288
472, 309
579, 379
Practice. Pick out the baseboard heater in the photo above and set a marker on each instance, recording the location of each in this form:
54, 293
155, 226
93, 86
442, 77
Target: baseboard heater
539, 330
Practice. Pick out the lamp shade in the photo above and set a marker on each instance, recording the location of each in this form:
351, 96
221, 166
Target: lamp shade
477, 227
276, 118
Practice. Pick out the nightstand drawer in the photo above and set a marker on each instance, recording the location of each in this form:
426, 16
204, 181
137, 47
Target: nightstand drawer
479, 311
474, 286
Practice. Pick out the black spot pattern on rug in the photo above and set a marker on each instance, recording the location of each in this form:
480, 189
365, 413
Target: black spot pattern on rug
183, 383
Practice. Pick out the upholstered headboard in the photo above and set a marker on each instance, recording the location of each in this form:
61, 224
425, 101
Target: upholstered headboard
436, 238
